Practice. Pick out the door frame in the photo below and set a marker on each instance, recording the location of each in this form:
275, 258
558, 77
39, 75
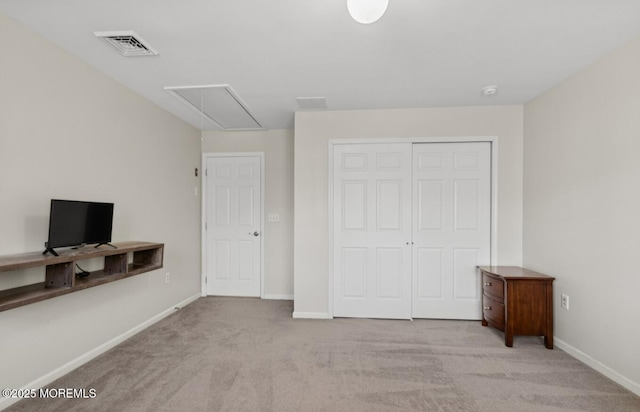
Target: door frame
203, 218
493, 140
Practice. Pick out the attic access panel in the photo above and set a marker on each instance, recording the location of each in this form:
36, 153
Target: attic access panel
219, 104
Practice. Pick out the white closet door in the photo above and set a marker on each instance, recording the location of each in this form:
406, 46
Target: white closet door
372, 230
451, 228
233, 218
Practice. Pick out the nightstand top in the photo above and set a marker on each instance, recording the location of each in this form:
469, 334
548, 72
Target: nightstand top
514, 272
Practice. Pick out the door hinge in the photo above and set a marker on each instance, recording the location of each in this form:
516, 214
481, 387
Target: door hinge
205, 226
206, 172
205, 280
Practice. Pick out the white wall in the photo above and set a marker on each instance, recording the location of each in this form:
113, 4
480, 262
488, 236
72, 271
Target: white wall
582, 209
277, 146
67, 131
313, 130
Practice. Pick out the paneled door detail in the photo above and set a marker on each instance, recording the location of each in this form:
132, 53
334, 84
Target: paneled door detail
451, 228
372, 230
233, 223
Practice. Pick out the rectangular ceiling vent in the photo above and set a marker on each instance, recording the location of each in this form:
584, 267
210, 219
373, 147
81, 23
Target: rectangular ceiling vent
128, 43
218, 104
312, 103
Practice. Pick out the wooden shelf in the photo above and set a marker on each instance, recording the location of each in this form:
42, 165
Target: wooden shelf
60, 276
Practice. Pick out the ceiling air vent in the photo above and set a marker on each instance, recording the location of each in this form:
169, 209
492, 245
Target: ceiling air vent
312, 103
128, 43
219, 104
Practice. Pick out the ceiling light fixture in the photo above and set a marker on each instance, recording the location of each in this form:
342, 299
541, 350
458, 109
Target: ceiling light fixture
489, 90
367, 11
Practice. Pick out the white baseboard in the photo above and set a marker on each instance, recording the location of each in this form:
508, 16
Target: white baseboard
311, 315
599, 366
94, 353
278, 297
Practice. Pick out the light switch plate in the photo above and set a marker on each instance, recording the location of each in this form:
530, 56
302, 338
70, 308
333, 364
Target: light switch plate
273, 217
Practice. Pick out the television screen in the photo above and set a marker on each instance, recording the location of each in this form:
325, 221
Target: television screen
73, 223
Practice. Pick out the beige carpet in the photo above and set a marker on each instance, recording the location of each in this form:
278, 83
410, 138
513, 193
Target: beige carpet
235, 354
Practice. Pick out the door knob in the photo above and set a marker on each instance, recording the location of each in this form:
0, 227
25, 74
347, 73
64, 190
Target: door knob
254, 233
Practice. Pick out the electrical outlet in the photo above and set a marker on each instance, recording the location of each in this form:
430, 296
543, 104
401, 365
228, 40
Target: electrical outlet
564, 301
167, 278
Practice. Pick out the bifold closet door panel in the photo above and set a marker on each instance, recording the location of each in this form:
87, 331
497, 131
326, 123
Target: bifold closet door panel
372, 230
451, 228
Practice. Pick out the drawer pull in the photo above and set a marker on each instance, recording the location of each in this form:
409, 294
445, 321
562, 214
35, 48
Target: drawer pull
487, 283
487, 308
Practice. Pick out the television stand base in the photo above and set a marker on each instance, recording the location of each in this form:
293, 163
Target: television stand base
105, 243
50, 250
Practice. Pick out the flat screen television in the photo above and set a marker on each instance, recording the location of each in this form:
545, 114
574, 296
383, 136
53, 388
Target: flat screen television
73, 223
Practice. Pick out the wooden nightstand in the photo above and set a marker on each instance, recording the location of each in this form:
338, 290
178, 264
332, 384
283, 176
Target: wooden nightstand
518, 302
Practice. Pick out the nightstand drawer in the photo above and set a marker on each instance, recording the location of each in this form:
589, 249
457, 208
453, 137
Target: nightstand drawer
493, 287
493, 311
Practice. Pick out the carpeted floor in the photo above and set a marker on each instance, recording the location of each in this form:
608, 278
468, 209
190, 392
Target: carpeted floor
239, 354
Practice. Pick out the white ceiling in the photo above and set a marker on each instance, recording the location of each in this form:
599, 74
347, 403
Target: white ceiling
422, 53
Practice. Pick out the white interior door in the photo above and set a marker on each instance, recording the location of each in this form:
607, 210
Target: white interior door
233, 224
372, 230
451, 228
